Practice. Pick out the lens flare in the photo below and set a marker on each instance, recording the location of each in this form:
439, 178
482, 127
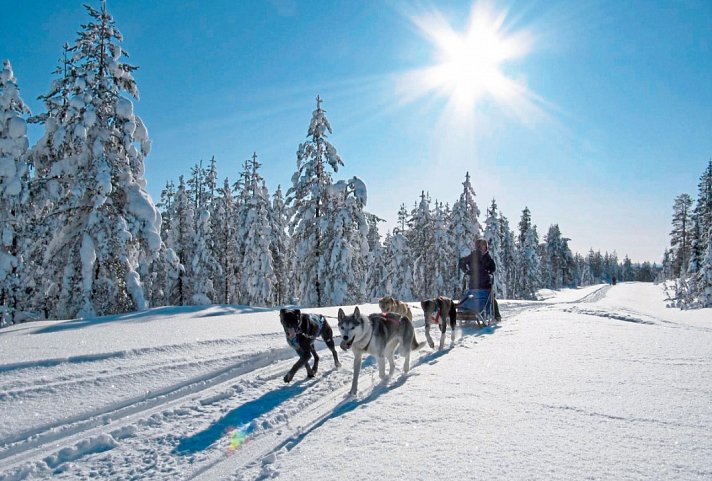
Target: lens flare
238, 436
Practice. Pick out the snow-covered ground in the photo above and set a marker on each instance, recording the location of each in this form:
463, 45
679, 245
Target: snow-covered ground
595, 383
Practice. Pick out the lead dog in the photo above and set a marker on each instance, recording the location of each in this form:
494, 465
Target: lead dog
441, 311
378, 335
301, 330
391, 304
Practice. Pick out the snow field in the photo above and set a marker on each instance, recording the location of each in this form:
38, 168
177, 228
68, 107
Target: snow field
602, 384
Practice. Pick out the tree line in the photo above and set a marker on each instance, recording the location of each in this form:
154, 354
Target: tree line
82, 237
687, 262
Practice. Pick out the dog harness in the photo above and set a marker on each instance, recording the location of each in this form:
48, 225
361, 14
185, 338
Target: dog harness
314, 320
436, 319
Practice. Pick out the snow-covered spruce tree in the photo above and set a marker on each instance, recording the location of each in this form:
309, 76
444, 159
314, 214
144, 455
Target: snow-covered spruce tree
508, 269
704, 276
14, 174
308, 199
180, 239
703, 206
421, 240
445, 274
166, 207
108, 224
680, 238
281, 248
346, 244
204, 267
202, 185
403, 219
399, 267
258, 277
528, 263
557, 265
493, 236
225, 244
627, 272
376, 274
697, 251
465, 229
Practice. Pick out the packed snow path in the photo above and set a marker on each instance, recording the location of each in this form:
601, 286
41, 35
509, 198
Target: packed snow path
599, 383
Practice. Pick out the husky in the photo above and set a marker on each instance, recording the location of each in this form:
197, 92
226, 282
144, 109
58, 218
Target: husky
441, 311
301, 330
391, 304
378, 335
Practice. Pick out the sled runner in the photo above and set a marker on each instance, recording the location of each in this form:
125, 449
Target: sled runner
476, 306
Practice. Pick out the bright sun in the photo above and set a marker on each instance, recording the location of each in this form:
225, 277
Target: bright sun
469, 64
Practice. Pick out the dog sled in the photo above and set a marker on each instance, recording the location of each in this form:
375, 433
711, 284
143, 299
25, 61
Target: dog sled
476, 308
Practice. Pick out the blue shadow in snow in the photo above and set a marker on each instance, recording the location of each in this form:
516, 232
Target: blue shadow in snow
240, 416
342, 408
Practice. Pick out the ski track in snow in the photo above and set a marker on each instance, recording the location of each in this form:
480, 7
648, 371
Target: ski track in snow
183, 431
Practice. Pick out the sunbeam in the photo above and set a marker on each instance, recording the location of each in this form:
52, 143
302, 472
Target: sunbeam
470, 67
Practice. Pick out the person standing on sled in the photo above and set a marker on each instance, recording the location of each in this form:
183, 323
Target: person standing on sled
480, 267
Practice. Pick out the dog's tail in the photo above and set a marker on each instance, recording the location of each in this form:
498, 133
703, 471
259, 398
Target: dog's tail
415, 345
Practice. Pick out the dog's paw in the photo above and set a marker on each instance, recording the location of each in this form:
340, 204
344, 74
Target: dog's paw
288, 377
432, 344
338, 365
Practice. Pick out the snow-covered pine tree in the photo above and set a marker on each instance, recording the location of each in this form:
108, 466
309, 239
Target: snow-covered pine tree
204, 267
282, 251
258, 277
14, 173
376, 274
211, 183
403, 219
225, 244
181, 240
310, 209
697, 250
493, 236
508, 269
93, 150
528, 263
399, 267
421, 240
703, 206
680, 238
445, 275
627, 272
166, 207
465, 229
704, 276
557, 266
345, 244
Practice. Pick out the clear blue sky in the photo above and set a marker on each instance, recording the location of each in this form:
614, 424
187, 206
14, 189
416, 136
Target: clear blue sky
621, 125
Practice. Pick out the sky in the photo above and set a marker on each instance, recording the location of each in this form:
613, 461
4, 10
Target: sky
593, 114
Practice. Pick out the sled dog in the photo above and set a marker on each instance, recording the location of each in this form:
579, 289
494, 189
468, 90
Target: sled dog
378, 335
440, 311
301, 330
391, 304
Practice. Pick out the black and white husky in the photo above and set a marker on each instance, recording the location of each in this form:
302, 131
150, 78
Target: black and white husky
301, 330
378, 335
440, 311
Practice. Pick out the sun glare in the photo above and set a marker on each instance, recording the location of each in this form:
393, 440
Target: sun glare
469, 65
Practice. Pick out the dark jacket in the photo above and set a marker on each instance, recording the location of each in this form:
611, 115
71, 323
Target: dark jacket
480, 268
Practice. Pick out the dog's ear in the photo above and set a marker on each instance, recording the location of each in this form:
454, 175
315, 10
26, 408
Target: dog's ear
341, 314
357, 313
297, 312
